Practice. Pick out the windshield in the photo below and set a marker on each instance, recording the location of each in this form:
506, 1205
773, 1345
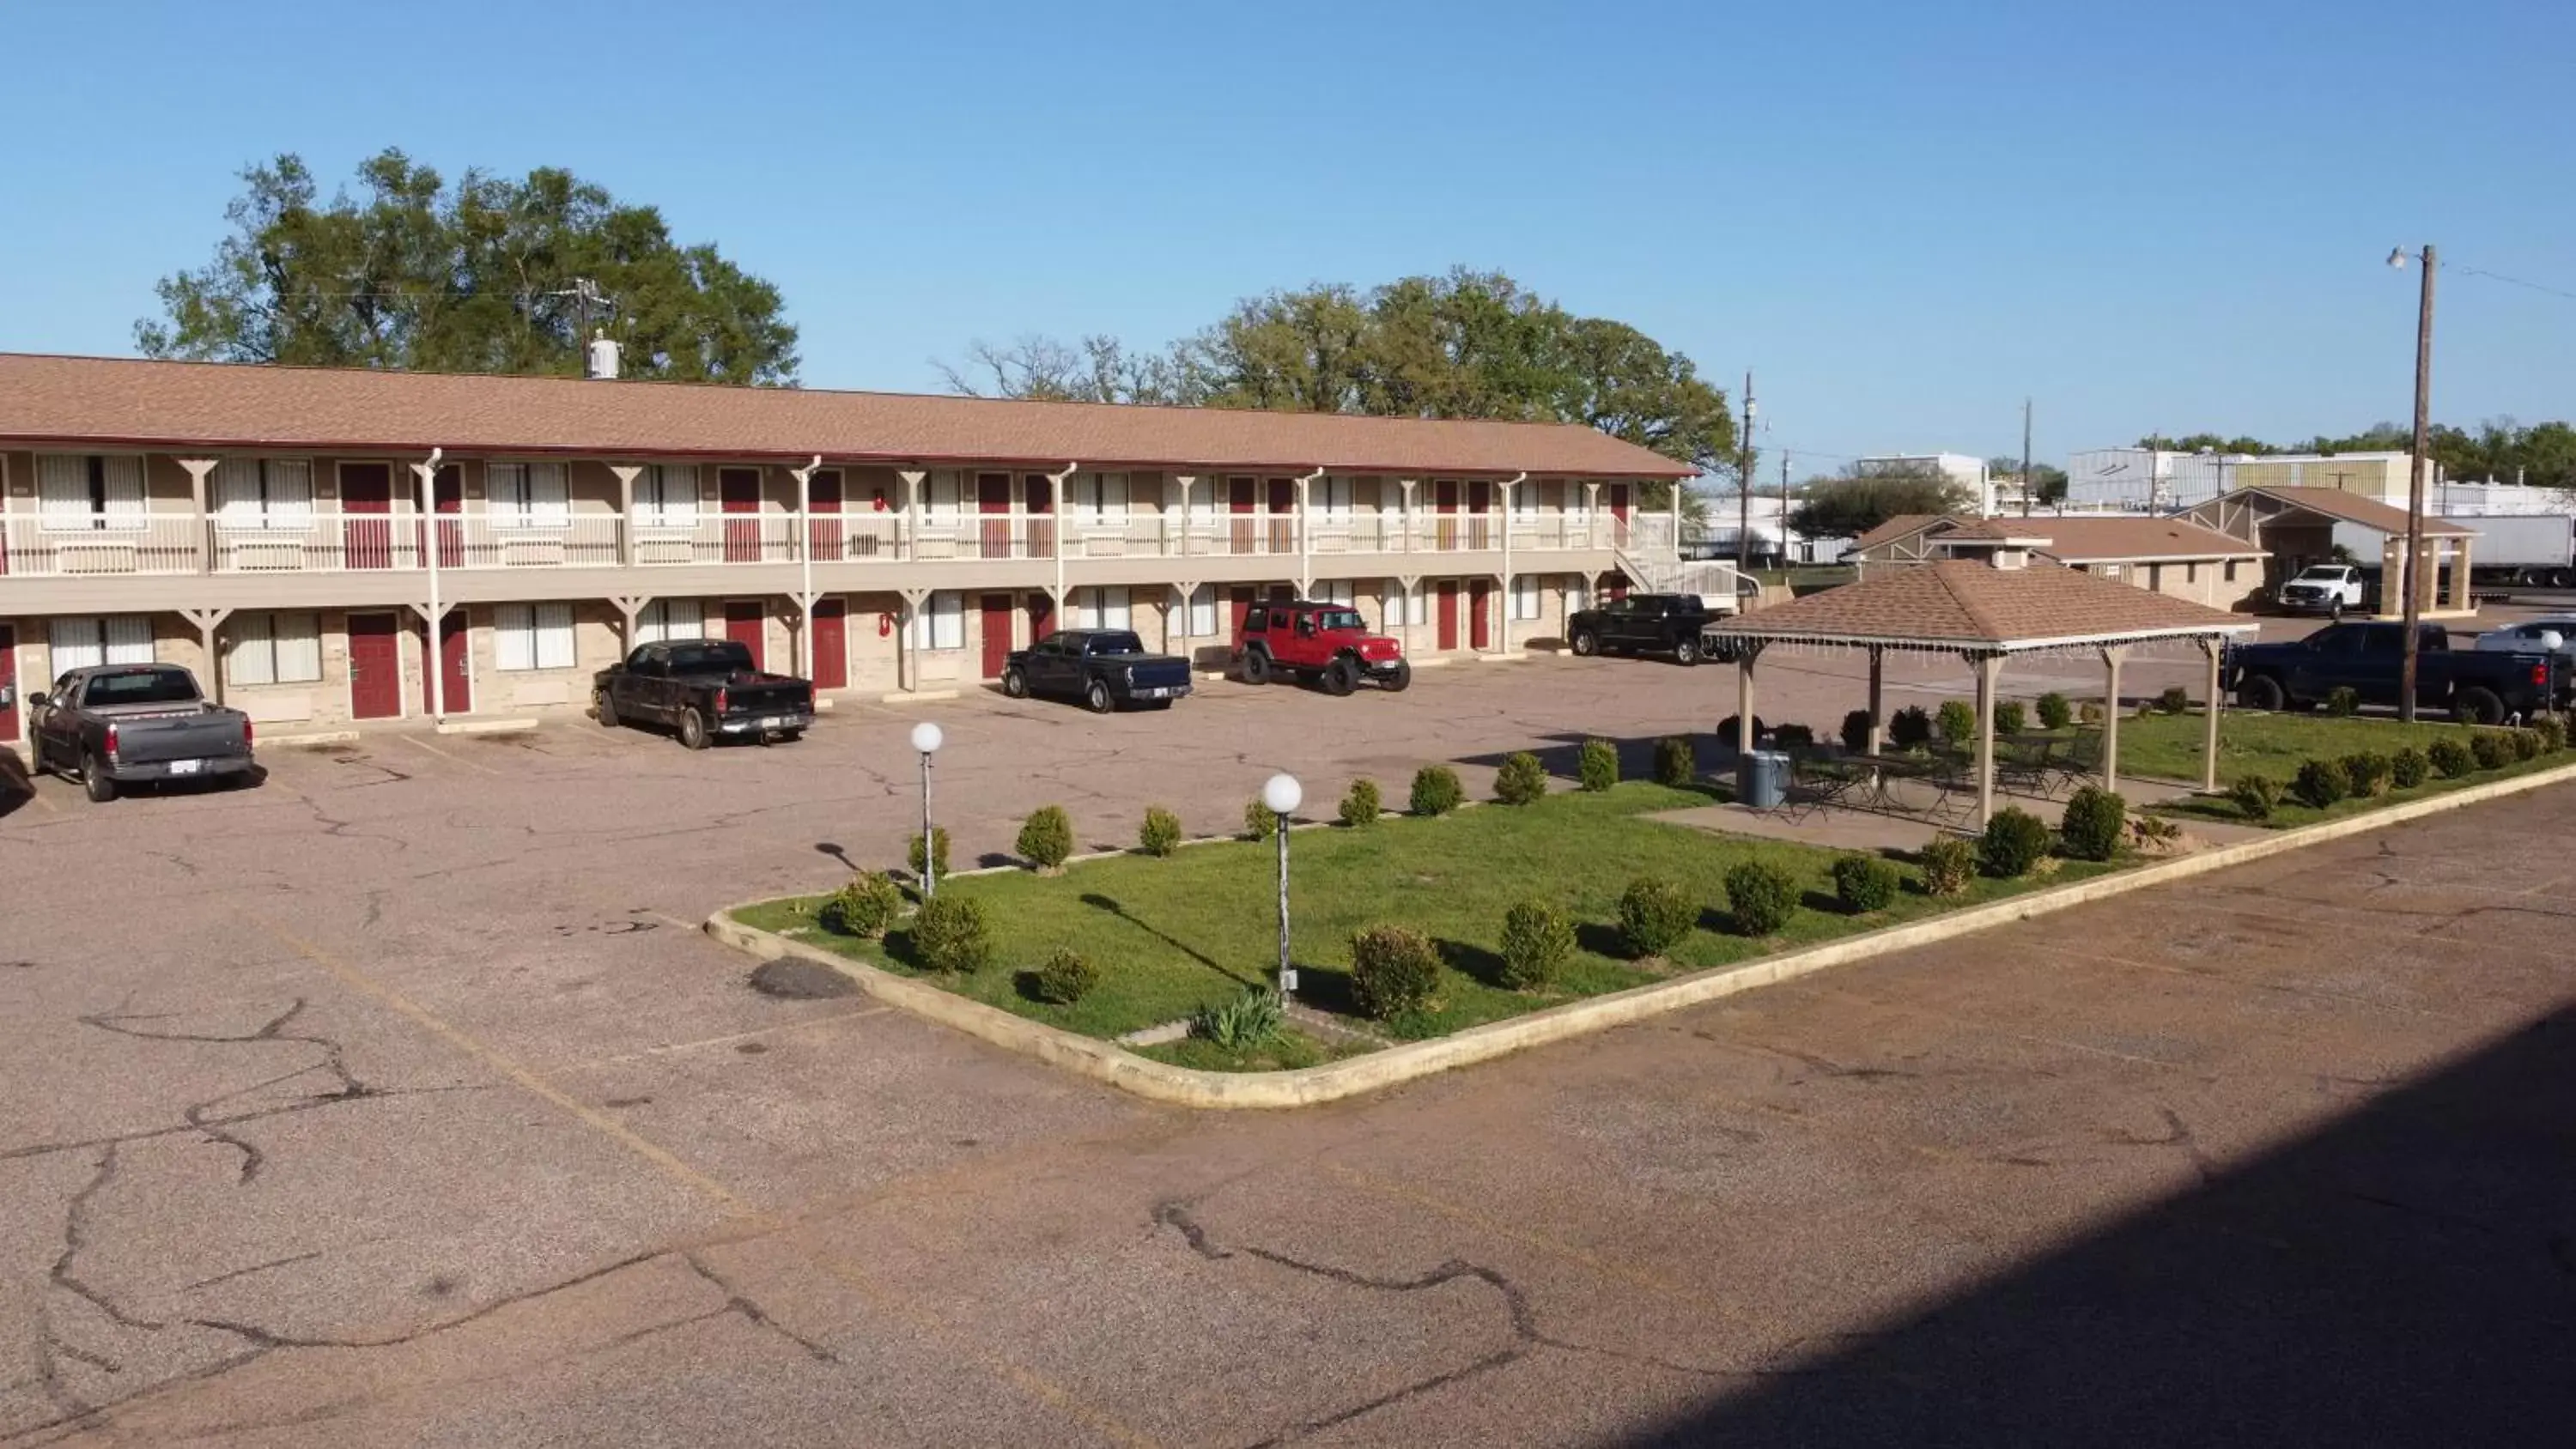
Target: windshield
142, 686
1116, 643
2323, 571
1339, 619
710, 658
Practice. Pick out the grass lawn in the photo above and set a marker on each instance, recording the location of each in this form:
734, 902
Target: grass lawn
2251, 742
1172, 935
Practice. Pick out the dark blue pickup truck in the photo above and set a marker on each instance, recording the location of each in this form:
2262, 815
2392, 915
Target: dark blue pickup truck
1103, 668
2476, 686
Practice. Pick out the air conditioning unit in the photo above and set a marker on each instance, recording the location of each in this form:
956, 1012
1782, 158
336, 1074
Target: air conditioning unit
95, 558
532, 553
665, 551
266, 556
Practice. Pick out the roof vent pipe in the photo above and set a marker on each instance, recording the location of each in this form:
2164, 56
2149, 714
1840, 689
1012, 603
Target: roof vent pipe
600, 360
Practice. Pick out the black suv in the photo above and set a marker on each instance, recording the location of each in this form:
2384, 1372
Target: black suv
1642, 624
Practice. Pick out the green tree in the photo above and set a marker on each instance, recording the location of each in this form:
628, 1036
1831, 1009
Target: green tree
1867, 495
478, 276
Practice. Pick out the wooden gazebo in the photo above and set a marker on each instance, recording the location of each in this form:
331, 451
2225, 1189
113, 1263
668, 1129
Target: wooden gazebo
1985, 613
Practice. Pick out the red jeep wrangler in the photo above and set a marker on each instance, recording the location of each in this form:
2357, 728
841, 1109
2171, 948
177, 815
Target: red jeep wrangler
1330, 643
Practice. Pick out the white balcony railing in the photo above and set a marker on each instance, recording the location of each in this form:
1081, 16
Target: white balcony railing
112, 544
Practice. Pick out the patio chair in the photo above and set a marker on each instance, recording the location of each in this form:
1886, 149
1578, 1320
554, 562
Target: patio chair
2024, 763
2077, 760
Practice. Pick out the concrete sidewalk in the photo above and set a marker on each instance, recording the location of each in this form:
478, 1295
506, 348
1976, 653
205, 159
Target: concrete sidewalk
1844, 828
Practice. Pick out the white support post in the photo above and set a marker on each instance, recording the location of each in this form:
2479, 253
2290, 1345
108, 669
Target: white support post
805, 563
1410, 527
1877, 697
2209, 726
198, 469
207, 622
1305, 534
1989, 669
1592, 515
912, 478
1055, 500
907, 647
626, 473
1176, 521
1745, 738
436, 669
2111, 657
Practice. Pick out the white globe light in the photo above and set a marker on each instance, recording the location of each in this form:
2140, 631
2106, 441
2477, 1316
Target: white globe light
926, 737
1281, 793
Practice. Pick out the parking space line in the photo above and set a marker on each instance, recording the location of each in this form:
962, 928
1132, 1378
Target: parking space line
421, 744
668, 1047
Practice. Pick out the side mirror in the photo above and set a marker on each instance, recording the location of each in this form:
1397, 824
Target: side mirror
36, 699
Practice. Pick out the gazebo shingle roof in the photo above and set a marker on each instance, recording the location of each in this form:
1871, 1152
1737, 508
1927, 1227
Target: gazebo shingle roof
2084, 540
2348, 507
1972, 606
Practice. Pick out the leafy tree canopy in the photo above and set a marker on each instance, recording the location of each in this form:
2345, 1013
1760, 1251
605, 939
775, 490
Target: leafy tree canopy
475, 277
1869, 494
2543, 455
1465, 345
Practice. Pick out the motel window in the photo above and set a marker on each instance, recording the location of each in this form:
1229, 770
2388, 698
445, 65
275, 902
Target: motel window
1107, 608
940, 623
1333, 591
264, 493
2231, 571
85, 491
88, 642
1525, 499
273, 648
2191, 573
1399, 606
1097, 499
1198, 621
1525, 597
666, 619
1331, 498
528, 495
666, 496
532, 636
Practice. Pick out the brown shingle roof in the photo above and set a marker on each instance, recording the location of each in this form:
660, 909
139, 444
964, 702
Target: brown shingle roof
1898, 527
123, 402
2349, 507
1964, 604
2089, 540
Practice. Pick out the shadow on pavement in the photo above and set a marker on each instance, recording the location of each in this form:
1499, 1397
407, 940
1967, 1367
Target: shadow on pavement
16, 790
2406, 1275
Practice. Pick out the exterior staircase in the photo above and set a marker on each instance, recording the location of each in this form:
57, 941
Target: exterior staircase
1651, 558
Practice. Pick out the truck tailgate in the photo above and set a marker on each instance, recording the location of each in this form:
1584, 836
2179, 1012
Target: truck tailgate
148, 737
773, 696
1158, 673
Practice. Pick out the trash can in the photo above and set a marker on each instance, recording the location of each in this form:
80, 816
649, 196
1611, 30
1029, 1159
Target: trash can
1761, 779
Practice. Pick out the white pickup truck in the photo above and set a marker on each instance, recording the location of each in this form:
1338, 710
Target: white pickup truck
2327, 589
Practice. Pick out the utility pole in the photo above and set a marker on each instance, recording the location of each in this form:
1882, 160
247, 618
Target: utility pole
2415, 477
2025, 458
1784, 508
1744, 479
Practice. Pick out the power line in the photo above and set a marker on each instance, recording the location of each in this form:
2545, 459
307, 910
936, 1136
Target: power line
2511, 281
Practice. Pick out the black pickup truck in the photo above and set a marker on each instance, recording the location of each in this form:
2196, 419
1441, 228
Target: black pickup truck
1642, 623
1104, 668
128, 724
707, 689
2476, 686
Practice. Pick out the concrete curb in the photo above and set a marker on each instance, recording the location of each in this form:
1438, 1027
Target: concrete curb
488, 726
311, 737
1309, 1086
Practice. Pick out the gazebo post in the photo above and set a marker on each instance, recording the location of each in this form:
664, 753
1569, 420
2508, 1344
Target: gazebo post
1988, 668
1744, 657
1877, 682
2209, 733
2112, 654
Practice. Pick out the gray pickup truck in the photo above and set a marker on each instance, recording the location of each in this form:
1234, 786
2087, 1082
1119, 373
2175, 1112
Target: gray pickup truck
126, 724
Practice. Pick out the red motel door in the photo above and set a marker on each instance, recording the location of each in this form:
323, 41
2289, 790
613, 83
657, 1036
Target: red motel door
993, 501
1448, 613
8, 678
1480, 613
375, 667
1041, 617
451, 661
831, 643
739, 490
997, 633
1444, 494
367, 533
1283, 515
747, 624
1242, 600
1041, 491
447, 493
1238, 502
823, 503
1480, 507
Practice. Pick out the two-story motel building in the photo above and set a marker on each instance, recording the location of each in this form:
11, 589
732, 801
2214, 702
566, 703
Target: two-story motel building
289, 532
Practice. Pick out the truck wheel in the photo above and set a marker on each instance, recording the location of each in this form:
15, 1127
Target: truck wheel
1014, 683
2478, 706
2562, 578
2260, 692
693, 730
1686, 653
605, 709
1585, 645
2334, 611
1399, 677
1340, 678
94, 781
1095, 698
1256, 668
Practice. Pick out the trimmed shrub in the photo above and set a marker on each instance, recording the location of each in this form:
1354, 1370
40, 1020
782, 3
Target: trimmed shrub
1910, 728
1856, 731
2342, 701
2014, 841
2011, 718
1655, 915
2321, 783
1761, 897
1260, 822
2054, 712
1521, 779
864, 907
1726, 732
1046, 838
1067, 977
1361, 806
1436, 791
1676, 761
1160, 835
2089, 712
2369, 772
1949, 866
2174, 700
2255, 796
938, 853
1394, 972
1250, 1020
1958, 721
2491, 748
2552, 730
1864, 883
1537, 938
1793, 737
2408, 767
2094, 824
950, 935
2526, 744
2452, 756
1599, 767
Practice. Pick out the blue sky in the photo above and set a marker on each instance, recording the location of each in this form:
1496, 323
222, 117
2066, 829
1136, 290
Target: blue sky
1903, 216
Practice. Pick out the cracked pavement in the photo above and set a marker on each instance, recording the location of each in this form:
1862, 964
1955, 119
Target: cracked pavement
398, 1101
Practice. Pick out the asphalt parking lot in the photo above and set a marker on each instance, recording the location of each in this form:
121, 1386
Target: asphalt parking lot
397, 1101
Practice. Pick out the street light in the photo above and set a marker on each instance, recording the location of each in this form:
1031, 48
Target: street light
926, 738
1280, 795
2415, 468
